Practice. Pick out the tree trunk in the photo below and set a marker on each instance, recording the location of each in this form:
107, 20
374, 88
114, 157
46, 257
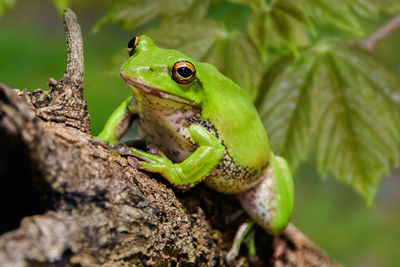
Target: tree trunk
78, 203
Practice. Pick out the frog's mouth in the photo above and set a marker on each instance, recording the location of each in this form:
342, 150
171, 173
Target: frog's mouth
138, 84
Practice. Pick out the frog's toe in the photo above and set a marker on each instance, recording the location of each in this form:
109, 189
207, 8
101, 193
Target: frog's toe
240, 236
101, 142
121, 149
154, 150
134, 162
143, 155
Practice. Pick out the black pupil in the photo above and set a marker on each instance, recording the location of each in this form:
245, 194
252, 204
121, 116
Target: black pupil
185, 72
132, 42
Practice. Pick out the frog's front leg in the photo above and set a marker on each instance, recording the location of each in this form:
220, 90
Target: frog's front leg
119, 122
270, 202
194, 168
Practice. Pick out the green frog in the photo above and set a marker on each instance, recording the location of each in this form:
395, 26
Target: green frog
203, 128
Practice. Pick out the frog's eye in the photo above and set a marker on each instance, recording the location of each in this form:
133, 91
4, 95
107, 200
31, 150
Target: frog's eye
183, 72
132, 45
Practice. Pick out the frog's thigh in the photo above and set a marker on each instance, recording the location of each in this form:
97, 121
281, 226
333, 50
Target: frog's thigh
270, 203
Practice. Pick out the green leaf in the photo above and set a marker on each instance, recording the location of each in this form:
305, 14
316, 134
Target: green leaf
343, 13
343, 99
338, 14
243, 63
281, 26
288, 23
284, 22
232, 53
372, 8
246, 2
5, 4
258, 31
237, 58
292, 9
61, 5
197, 10
133, 14
251, 3
357, 137
195, 39
285, 106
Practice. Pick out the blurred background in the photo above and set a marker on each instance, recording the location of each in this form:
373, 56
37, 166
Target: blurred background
32, 49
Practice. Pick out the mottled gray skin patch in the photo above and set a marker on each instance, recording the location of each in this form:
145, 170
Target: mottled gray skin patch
260, 200
163, 123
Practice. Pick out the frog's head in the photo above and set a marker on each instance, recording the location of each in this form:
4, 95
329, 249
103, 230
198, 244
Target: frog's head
164, 73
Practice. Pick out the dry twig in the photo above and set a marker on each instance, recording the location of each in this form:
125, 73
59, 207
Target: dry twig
384, 31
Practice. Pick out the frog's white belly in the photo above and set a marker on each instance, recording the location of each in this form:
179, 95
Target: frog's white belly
165, 127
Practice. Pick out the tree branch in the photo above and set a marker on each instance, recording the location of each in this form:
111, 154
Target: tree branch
74, 46
384, 31
99, 210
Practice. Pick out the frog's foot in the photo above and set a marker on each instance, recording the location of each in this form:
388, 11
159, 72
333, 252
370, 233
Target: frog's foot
102, 142
121, 149
158, 163
154, 160
242, 234
154, 150
125, 147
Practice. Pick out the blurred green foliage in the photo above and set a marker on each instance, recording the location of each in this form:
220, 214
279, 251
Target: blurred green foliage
5, 4
32, 49
61, 5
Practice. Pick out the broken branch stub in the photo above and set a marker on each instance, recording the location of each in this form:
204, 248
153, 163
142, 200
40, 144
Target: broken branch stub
64, 103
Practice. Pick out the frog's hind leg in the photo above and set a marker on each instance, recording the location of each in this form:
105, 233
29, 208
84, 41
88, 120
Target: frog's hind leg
270, 202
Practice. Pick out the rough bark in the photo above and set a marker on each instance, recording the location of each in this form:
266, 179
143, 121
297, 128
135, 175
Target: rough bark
81, 204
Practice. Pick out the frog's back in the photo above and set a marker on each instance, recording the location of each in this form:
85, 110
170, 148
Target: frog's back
230, 113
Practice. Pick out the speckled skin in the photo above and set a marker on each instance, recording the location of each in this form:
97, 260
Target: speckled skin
228, 177
257, 200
